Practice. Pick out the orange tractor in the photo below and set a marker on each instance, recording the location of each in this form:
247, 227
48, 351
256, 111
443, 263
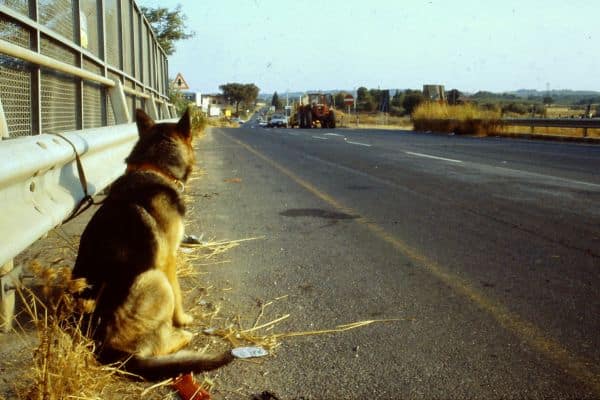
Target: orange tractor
316, 112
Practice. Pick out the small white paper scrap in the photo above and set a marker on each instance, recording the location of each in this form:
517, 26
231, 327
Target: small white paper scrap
249, 352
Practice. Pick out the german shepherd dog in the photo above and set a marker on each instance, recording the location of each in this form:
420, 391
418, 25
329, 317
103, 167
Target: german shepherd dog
128, 255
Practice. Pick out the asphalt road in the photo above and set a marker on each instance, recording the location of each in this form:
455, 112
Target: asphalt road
485, 250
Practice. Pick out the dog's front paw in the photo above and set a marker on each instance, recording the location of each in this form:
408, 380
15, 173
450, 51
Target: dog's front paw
182, 319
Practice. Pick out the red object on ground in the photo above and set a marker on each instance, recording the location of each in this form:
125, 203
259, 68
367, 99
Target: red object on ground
189, 389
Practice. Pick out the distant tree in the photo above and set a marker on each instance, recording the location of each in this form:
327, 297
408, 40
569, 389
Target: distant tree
338, 99
176, 98
362, 94
168, 26
412, 100
368, 105
250, 94
483, 94
364, 101
515, 108
491, 107
397, 99
587, 100
453, 96
375, 94
240, 93
547, 100
276, 102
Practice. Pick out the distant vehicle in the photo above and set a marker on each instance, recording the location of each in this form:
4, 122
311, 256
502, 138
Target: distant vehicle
238, 120
317, 112
278, 121
263, 124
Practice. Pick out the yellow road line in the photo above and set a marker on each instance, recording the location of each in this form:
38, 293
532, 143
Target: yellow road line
580, 368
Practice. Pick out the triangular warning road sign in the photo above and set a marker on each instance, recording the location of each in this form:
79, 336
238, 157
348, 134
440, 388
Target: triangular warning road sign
180, 83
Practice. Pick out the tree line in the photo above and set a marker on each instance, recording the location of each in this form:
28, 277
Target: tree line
370, 100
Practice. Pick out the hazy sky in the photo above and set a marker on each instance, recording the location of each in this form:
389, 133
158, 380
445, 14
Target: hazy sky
495, 45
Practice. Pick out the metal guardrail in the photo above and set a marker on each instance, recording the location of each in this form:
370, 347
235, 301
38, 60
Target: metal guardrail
77, 66
554, 122
39, 182
574, 123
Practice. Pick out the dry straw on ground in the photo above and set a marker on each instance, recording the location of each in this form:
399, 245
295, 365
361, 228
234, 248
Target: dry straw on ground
261, 334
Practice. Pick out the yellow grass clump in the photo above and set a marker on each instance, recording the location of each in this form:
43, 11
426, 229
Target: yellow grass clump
63, 364
463, 119
222, 122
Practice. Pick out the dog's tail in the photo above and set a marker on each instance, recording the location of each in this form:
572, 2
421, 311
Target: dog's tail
169, 366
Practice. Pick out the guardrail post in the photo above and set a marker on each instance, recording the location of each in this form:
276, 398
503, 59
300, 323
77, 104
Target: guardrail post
585, 132
7, 297
152, 110
119, 103
3, 124
165, 110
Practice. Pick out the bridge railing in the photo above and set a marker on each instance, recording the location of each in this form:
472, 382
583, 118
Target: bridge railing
62, 62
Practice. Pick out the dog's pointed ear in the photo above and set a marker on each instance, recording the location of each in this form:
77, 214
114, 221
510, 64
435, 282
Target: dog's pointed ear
143, 121
184, 124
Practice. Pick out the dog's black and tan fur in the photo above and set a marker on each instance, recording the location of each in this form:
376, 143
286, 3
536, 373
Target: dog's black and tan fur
128, 252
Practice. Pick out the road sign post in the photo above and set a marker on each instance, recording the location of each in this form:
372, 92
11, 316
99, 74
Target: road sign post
348, 102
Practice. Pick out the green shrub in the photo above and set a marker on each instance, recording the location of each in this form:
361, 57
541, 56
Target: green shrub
412, 101
198, 118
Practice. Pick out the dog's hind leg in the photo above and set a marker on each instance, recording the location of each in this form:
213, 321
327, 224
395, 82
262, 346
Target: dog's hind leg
180, 318
175, 340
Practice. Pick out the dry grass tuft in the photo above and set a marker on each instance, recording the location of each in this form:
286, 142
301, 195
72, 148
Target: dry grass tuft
222, 122
63, 364
465, 119
198, 120
261, 334
211, 249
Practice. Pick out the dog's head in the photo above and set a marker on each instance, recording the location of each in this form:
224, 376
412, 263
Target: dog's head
166, 147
